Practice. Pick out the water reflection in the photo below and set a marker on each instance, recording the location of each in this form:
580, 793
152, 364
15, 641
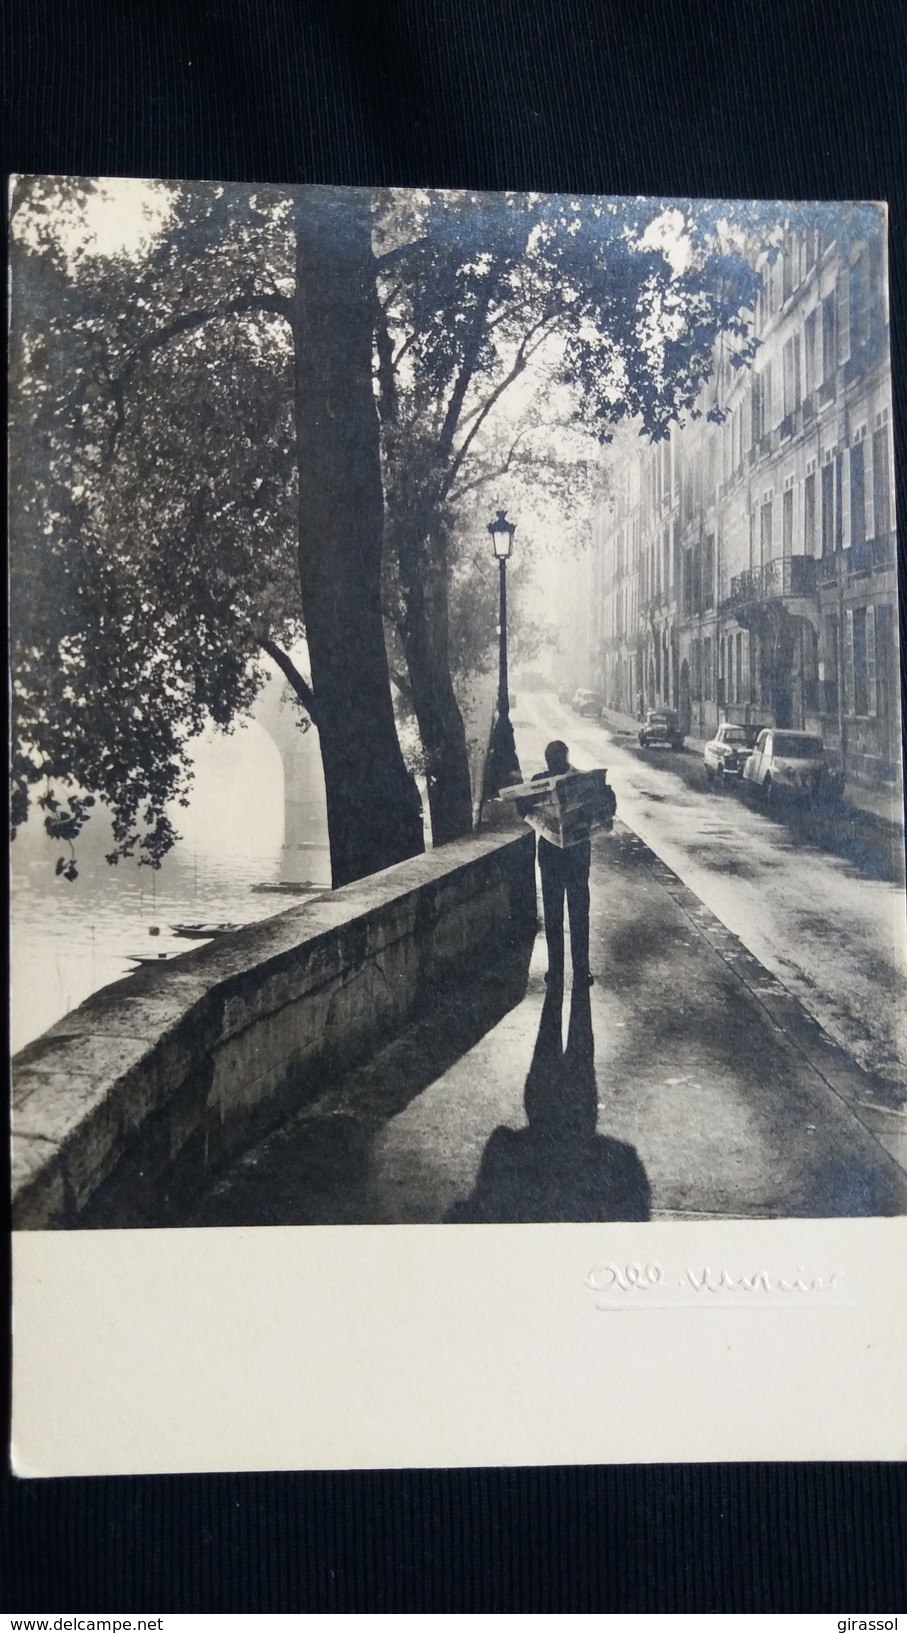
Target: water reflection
558, 1168
67, 940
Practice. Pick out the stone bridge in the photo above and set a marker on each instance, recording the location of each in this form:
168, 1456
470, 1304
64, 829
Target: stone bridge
305, 842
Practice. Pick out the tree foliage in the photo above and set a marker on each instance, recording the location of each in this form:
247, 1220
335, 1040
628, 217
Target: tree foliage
159, 543
145, 475
583, 312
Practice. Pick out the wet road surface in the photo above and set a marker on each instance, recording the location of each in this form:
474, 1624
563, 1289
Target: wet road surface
832, 928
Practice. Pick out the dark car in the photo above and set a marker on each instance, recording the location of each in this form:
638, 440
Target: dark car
587, 704
726, 754
662, 728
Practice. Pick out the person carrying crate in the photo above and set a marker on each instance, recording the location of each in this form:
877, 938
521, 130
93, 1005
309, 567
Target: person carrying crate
565, 876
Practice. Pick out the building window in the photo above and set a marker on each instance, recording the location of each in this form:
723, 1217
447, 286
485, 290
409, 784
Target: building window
829, 343
848, 676
809, 656
861, 659
809, 515
763, 677
828, 508
887, 673
809, 349
729, 670
765, 532
768, 400
708, 571
707, 669
791, 368
739, 690
830, 665
789, 266
859, 300
857, 495
881, 483
787, 522
843, 317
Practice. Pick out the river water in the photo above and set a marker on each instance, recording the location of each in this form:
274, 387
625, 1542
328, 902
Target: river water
67, 940
70, 939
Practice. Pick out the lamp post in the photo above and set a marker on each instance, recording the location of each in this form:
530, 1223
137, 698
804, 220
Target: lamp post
503, 765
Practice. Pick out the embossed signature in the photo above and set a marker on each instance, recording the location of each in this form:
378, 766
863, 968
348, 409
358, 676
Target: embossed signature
652, 1278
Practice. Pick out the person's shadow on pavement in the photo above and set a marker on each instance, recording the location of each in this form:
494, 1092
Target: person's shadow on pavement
557, 1169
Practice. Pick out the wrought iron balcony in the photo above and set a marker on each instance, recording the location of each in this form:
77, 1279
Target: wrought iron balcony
861, 560
872, 555
781, 577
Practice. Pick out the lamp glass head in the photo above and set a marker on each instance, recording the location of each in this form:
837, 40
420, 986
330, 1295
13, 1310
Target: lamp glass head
502, 533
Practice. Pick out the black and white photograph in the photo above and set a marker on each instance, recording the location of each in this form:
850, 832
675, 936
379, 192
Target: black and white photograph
457, 744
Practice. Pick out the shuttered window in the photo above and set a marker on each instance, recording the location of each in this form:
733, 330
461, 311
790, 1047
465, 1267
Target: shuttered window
791, 366
829, 350
809, 515
843, 316
881, 483
848, 664
857, 495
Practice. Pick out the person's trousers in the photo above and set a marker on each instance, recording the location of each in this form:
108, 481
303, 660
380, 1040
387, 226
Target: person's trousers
565, 873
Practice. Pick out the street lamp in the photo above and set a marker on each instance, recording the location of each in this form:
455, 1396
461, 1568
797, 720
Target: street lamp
503, 766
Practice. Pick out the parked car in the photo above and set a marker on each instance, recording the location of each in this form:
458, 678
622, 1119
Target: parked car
787, 762
727, 753
586, 703
661, 726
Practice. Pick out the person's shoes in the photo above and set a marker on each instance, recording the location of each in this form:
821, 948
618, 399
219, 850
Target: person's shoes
552, 979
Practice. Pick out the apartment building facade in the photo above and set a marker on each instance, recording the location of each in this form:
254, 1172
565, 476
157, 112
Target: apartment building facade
746, 568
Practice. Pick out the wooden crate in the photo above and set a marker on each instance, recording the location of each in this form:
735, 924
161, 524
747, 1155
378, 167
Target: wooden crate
566, 809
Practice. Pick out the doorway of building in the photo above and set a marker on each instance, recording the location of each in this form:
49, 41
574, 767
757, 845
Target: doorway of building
684, 705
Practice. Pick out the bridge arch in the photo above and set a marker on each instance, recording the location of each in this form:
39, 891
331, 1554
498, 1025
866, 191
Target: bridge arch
306, 851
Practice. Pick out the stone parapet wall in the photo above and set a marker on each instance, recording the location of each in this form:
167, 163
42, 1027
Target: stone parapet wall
154, 1081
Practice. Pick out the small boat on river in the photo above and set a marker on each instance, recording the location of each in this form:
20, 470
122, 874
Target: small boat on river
305, 887
203, 932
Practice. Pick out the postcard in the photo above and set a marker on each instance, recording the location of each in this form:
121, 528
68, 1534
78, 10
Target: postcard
458, 910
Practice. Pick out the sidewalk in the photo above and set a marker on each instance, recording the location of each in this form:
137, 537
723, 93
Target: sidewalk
692, 1084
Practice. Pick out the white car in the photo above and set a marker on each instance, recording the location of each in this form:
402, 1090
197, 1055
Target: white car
727, 753
787, 762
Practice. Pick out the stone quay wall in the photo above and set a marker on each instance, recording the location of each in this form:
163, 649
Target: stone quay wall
154, 1081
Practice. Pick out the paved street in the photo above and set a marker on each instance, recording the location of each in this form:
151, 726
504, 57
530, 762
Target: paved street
690, 1081
831, 927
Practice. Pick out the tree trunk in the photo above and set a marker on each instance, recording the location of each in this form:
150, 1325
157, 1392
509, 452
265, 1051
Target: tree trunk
374, 816
425, 644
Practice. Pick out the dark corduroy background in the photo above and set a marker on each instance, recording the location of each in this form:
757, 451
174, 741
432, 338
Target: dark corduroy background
738, 98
